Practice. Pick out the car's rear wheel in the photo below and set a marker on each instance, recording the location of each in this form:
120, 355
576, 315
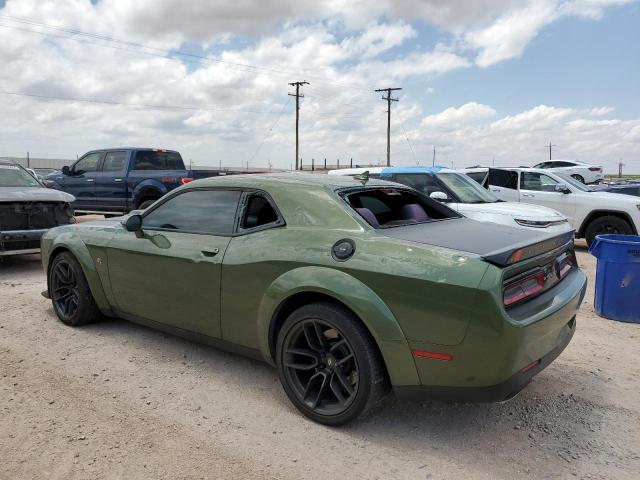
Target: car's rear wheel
329, 365
580, 178
70, 294
606, 225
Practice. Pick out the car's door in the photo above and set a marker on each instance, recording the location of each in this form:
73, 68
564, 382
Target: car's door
169, 272
504, 184
81, 181
111, 187
540, 189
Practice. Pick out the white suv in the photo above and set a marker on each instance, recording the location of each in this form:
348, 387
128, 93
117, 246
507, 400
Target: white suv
583, 172
590, 212
467, 197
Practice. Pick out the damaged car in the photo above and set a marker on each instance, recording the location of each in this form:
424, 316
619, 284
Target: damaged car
28, 210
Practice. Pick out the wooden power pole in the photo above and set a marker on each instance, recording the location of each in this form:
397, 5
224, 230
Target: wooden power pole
389, 99
298, 96
550, 147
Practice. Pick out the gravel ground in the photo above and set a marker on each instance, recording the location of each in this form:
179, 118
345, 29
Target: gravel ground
115, 400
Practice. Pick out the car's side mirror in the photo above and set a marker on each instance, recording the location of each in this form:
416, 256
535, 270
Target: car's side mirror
439, 196
133, 223
562, 188
66, 170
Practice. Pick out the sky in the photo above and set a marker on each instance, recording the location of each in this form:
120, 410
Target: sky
483, 81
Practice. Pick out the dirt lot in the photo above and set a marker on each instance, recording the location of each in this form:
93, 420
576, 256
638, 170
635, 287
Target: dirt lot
115, 400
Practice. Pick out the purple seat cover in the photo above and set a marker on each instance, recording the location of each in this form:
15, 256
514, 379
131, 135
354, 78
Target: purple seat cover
368, 216
413, 211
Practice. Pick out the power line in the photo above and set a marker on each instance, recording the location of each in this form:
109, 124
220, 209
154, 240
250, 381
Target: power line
135, 105
408, 142
389, 99
298, 96
275, 123
165, 53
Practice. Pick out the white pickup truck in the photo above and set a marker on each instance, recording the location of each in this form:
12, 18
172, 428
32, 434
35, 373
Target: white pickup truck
590, 212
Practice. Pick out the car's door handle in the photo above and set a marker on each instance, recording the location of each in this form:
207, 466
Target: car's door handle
210, 252
117, 180
528, 195
90, 180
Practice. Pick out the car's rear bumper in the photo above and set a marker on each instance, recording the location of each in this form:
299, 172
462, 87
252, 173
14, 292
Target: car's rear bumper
18, 242
493, 393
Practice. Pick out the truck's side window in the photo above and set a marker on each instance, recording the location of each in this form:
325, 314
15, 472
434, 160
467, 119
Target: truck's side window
88, 163
503, 178
198, 211
258, 212
157, 160
114, 161
538, 182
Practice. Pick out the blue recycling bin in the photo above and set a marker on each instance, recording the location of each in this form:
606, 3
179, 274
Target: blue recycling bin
617, 277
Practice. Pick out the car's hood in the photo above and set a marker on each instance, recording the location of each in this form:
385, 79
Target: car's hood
33, 194
524, 211
464, 234
611, 197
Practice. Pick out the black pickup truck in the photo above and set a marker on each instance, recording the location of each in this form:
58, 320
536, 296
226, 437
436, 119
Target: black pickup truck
118, 180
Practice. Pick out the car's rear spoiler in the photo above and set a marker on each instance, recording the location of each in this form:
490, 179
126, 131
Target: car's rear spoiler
519, 253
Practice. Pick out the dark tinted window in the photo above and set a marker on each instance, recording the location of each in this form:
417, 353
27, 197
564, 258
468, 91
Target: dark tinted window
503, 178
258, 212
88, 163
564, 164
156, 160
477, 176
114, 161
205, 211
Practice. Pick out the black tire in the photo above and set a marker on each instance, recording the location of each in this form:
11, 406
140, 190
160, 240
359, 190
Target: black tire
605, 225
580, 178
72, 300
147, 203
324, 347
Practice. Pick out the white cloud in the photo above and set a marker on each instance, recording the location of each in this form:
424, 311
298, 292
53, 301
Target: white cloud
453, 118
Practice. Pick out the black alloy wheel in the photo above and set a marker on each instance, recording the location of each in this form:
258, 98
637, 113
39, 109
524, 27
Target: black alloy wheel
329, 364
579, 178
70, 294
605, 225
320, 365
64, 289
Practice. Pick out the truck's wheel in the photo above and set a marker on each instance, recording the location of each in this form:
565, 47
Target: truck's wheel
605, 225
146, 204
72, 300
329, 365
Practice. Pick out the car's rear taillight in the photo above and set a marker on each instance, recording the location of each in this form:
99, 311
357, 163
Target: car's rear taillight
524, 288
184, 181
595, 169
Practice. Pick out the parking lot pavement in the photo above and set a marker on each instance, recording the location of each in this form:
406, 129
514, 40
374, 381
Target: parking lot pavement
115, 400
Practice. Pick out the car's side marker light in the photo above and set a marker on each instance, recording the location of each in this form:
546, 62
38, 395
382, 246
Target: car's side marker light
433, 355
530, 366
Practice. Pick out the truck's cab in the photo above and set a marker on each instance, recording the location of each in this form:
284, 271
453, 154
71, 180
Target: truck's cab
120, 179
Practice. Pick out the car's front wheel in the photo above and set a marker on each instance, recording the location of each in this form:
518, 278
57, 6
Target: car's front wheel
606, 225
69, 291
329, 365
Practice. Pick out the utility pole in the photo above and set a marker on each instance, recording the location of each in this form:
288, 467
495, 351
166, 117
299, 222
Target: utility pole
298, 96
389, 99
433, 162
620, 165
550, 146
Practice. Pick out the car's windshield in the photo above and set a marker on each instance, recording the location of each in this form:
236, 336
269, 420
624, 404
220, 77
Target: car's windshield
466, 189
574, 183
15, 176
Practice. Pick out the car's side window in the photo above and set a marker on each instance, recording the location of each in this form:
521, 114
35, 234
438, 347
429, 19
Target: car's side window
88, 163
537, 182
422, 182
198, 211
114, 161
503, 178
258, 212
564, 164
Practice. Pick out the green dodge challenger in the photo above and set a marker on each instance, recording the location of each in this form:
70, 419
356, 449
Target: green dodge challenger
350, 287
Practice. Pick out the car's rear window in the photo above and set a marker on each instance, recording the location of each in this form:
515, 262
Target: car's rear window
393, 207
158, 160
